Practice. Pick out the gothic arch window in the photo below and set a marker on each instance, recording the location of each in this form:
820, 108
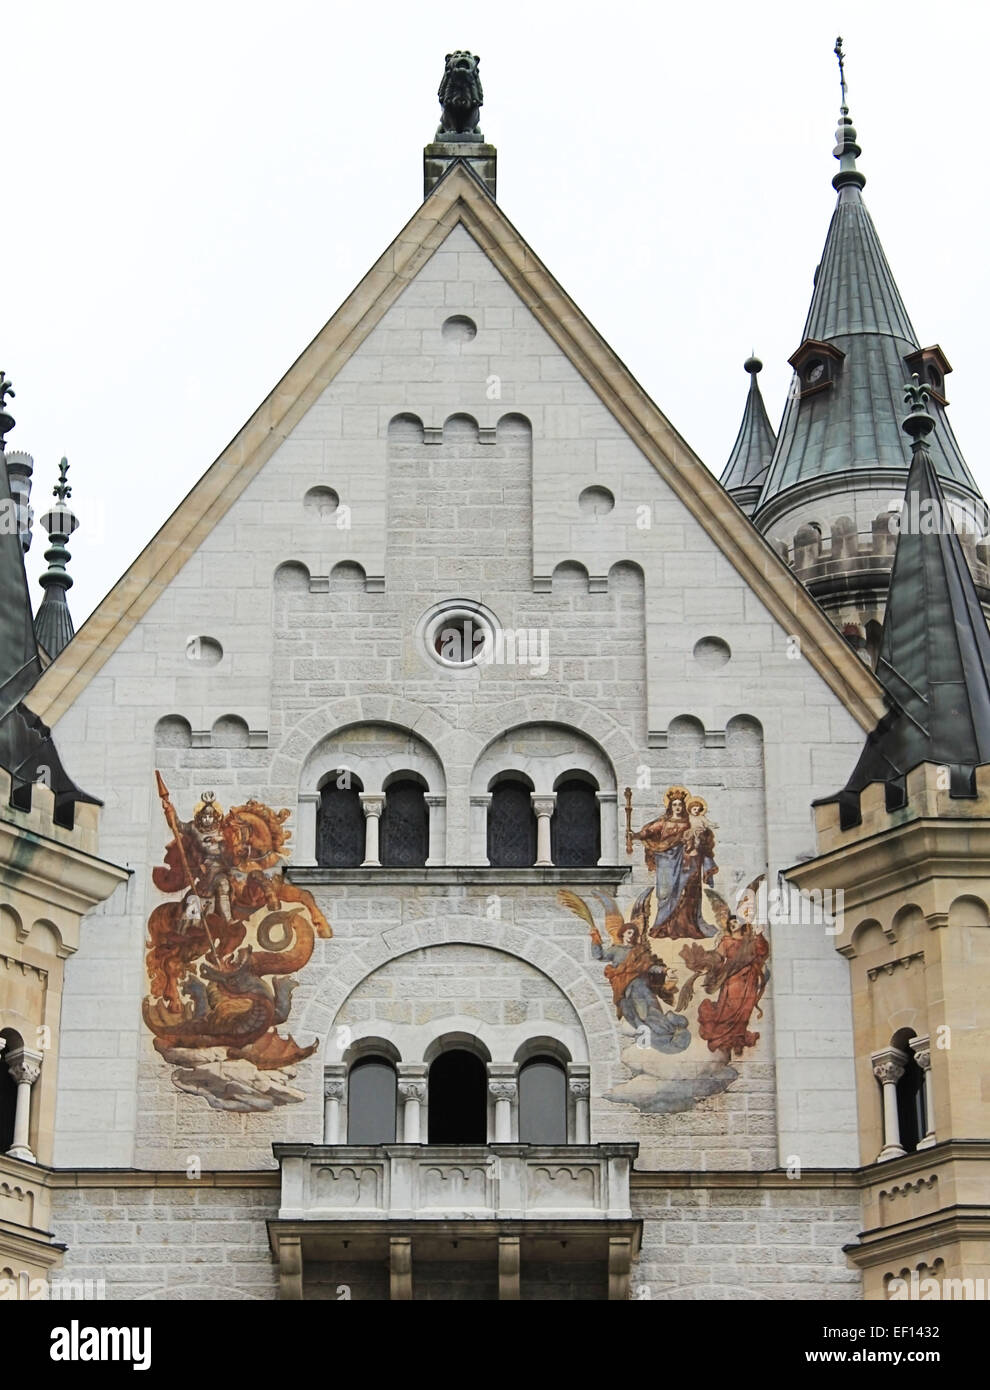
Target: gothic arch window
371, 1101
405, 833
512, 824
458, 1098
542, 1102
340, 823
576, 826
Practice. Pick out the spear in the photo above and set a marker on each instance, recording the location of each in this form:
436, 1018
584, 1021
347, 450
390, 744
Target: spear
629, 839
172, 821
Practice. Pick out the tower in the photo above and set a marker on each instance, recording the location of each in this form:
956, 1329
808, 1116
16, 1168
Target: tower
837, 474
907, 844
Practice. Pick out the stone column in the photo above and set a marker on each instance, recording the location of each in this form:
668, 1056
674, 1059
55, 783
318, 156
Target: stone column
437, 822
24, 1066
543, 809
888, 1068
400, 1267
922, 1049
290, 1267
508, 1267
619, 1266
372, 804
412, 1093
334, 1088
480, 807
305, 833
607, 803
503, 1084
580, 1087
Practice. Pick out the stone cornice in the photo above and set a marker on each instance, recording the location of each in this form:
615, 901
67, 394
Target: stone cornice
54, 873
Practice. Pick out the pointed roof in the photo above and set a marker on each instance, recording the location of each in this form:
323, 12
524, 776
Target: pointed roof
53, 626
935, 647
26, 748
856, 308
459, 198
746, 469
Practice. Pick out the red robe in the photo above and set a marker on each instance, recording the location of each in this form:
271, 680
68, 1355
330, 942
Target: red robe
724, 1024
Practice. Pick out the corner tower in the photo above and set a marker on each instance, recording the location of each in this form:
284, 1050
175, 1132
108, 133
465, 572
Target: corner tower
837, 474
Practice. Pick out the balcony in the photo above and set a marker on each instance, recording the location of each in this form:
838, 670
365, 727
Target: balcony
511, 1207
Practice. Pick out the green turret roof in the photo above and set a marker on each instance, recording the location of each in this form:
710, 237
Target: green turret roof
746, 469
935, 647
856, 309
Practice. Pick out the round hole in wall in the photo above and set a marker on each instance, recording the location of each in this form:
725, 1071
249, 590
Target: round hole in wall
596, 501
458, 634
207, 651
321, 502
458, 329
711, 652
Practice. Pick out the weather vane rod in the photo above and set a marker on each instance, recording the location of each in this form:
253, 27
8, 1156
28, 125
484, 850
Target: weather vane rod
842, 70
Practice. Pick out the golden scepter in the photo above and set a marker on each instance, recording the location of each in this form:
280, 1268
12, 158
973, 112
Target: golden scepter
172, 821
629, 834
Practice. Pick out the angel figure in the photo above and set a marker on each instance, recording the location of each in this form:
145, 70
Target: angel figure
640, 981
737, 968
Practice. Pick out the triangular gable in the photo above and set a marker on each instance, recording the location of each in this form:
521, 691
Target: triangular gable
459, 198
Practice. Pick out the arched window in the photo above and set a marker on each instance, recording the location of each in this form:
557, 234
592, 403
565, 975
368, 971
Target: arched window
542, 1102
405, 833
458, 1099
340, 823
576, 826
9, 1042
371, 1102
511, 826
910, 1091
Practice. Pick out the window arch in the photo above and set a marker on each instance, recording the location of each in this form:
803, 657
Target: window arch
340, 834
405, 832
512, 824
371, 1101
542, 1101
576, 826
458, 1098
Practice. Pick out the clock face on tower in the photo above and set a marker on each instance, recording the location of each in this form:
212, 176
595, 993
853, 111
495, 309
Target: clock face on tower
815, 372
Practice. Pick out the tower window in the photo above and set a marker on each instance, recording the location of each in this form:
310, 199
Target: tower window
458, 1099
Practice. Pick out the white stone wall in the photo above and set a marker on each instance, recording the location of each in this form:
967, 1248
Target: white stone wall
490, 514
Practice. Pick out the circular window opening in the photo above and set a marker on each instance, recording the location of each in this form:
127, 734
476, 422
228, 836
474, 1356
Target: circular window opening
321, 502
711, 652
459, 329
207, 651
814, 371
459, 636
596, 501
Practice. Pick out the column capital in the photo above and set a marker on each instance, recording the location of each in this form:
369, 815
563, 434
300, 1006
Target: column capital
24, 1065
412, 1090
372, 803
503, 1090
922, 1049
580, 1087
334, 1088
888, 1065
543, 805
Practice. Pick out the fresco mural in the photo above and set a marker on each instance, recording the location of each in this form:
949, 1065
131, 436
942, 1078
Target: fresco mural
687, 971
221, 955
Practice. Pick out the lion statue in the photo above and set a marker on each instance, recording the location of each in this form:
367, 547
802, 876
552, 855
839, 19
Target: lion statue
460, 96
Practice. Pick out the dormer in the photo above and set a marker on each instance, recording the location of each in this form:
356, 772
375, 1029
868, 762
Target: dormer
816, 365
932, 367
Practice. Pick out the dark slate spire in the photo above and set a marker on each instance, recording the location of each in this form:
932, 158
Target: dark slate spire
935, 648
53, 625
26, 748
746, 469
845, 418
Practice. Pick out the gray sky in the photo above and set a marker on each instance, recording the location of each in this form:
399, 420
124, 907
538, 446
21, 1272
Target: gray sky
192, 189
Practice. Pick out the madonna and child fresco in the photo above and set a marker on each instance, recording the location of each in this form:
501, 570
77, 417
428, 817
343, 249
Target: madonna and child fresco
695, 1001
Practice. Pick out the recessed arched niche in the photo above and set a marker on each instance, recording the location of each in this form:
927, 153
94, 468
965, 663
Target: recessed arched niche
711, 652
596, 502
230, 731
173, 732
458, 329
321, 502
204, 651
